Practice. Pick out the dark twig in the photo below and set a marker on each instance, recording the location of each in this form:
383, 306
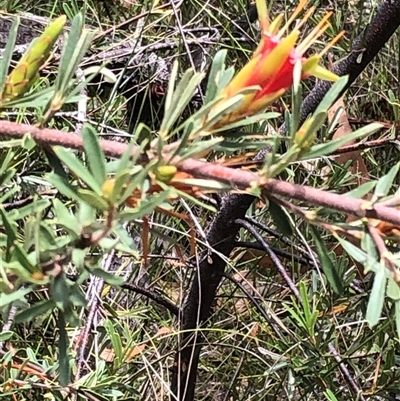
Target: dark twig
154, 296
287, 241
257, 305
281, 269
346, 373
277, 251
144, 291
365, 145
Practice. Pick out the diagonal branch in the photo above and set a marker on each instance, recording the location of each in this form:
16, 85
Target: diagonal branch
244, 180
239, 179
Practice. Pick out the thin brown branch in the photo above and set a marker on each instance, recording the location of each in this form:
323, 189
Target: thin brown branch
365, 145
245, 180
238, 179
52, 137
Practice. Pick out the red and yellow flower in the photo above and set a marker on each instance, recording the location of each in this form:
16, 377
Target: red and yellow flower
272, 65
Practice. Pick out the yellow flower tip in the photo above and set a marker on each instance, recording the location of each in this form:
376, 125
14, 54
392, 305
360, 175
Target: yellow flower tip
310, 64
287, 45
311, 67
262, 12
323, 73
61, 20
274, 28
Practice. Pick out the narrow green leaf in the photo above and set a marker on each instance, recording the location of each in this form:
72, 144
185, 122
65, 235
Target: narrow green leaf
368, 245
385, 183
377, 297
120, 181
94, 153
198, 148
8, 52
138, 180
7, 160
59, 291
76, 166
109, 278
10, 229
64, 216
22, 257
66, 68
126, 160
393, 290
40, 308
92, 199
305, 301
34, 99
359, 255
171, 88
35, 207
184, 92
10, 193
67, 189
224, 77
115, 340
318, 120
226, 108
328, 267
331, 146
217, 66
180, 99
362, 190
296, 109
126, 243
280, 218
6, 299
146, 207
330, 396
332, 95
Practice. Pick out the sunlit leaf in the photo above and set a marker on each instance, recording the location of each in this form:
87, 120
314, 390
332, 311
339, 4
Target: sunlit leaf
331, 146
377, 297
94, 153
385, 183
77, 167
